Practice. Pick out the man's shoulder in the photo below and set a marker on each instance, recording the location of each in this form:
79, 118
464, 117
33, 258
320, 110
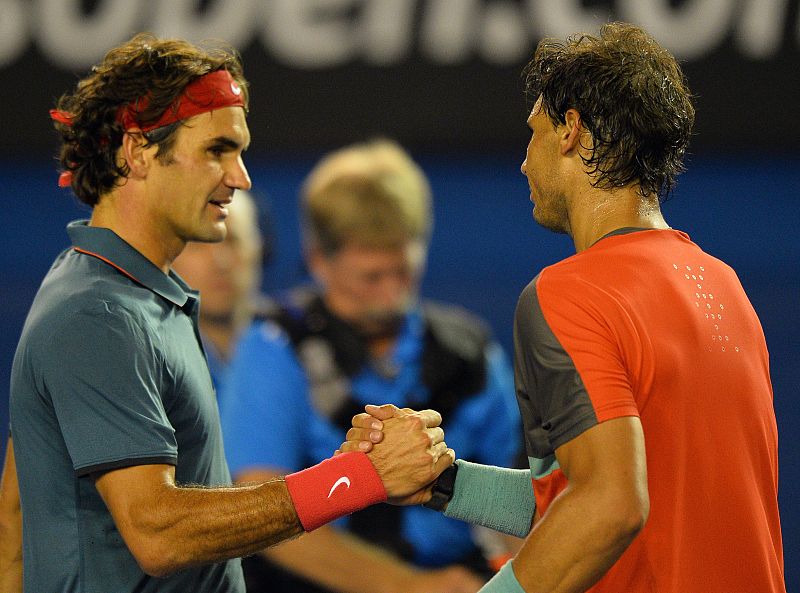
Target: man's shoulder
560, 287
572, 278
64, 305
81, 282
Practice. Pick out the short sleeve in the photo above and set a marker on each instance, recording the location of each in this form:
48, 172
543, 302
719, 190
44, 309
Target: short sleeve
103, 376
264, 404
569, 363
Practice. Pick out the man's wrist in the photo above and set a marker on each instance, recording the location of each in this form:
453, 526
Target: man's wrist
494, 497
334, 488
443, 489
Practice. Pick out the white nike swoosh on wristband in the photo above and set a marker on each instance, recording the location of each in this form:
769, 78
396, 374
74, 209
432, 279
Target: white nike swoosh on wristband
343, 480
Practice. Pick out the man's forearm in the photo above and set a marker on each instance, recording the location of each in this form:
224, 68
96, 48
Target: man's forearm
10, 527
236, 521
574, 544
168, 527
589, 525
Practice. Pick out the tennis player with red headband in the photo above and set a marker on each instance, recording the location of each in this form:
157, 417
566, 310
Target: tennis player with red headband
117, 448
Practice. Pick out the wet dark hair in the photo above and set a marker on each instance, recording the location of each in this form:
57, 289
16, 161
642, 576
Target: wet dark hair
632, 97
147, 66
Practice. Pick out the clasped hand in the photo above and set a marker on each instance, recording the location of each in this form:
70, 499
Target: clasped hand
406, 447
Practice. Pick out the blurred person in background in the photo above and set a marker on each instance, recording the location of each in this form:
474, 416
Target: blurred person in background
117, 446
361, 334
228, 277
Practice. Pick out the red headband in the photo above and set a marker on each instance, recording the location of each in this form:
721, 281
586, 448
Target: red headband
211, 91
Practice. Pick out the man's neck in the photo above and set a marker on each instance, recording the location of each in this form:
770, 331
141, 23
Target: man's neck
595, 213
127, 220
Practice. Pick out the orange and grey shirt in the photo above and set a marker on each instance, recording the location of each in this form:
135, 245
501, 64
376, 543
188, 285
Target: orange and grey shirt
644, 323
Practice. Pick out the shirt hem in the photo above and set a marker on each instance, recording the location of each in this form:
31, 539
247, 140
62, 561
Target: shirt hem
128, 462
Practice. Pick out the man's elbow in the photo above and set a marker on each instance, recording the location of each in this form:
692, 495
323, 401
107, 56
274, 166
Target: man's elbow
154, 568
147, 535
631, 516
155, 560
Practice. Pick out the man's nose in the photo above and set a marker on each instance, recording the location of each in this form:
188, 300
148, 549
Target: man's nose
237, 176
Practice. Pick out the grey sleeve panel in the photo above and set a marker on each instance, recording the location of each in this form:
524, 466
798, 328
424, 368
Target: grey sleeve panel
552, 398
495, 497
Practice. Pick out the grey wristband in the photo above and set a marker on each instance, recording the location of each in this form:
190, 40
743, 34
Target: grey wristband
494, 497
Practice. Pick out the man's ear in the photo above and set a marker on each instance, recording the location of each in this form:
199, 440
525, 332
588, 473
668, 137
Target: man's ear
571, 131
135, 154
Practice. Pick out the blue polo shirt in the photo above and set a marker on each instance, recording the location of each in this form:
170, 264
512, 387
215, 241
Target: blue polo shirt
109, 373
269, 419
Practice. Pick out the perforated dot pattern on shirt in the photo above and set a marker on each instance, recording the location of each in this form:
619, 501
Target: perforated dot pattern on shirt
700, 290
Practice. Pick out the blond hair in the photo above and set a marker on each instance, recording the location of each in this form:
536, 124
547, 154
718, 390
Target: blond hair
372, 194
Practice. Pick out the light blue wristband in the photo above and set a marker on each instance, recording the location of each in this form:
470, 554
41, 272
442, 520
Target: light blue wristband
504, 581
495, 497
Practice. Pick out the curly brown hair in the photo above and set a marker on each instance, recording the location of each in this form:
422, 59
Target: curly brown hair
632, 97
145, 66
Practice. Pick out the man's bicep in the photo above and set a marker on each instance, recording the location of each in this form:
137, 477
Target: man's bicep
609, 456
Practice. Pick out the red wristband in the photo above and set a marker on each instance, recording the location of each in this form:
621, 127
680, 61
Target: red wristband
334, 488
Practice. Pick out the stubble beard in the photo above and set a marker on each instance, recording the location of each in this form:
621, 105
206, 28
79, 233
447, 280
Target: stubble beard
556, 218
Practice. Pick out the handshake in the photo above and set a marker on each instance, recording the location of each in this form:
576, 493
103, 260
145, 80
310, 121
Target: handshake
406, 447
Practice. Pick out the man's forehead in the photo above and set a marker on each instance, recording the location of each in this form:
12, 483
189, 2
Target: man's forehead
228, 121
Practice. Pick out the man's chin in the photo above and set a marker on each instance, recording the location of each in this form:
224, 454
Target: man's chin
551, 224
215, 234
